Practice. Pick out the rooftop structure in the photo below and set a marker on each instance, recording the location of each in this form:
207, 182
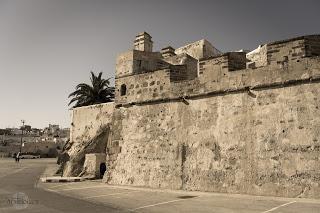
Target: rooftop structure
143, 75
143, 42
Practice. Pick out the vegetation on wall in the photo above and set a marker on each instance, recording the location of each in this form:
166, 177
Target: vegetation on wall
98, 92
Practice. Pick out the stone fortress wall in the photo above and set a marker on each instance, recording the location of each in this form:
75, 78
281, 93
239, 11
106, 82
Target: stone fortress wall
245, 123
216, 71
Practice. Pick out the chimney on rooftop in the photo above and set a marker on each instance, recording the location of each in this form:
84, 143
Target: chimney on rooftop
143, 42
167, 52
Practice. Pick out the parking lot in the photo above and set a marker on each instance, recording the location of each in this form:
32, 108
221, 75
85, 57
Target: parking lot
101, 197
133, 199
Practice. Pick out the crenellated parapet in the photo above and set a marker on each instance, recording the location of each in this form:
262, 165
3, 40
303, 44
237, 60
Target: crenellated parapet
279, 53
199, 69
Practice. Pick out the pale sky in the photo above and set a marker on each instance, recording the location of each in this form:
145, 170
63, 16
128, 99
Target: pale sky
47, 47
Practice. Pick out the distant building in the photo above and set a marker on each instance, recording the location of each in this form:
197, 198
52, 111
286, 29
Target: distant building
15, 131
4, 132
53, 128
26, 128
35, 131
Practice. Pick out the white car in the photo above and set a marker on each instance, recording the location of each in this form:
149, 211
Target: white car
29, 156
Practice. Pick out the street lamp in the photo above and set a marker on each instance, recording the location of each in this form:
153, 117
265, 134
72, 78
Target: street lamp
22, 121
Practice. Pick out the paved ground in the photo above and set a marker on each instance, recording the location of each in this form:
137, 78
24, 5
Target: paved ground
148, 200
94, 196
19, 181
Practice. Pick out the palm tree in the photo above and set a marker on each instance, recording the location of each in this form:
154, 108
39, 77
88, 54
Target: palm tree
99, 92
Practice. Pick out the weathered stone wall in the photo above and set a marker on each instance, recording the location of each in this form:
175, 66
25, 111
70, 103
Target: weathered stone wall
86, 121
147, 61
198, 50
218, 74
237, 61
136, 62
215, 78
191, 66
313, 45
257, 57
263, 141
91, 167
178, 73
266, 144
124, 64
143, 87
211, 70
88, 134
283, 52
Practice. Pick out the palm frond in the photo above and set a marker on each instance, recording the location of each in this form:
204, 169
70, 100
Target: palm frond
99, 91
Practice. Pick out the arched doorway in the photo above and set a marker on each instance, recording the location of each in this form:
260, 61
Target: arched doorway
103, 169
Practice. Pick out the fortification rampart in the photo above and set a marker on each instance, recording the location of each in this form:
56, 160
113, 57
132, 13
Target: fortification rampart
231, 129
143, 87
274, 63
156, 86
235, 143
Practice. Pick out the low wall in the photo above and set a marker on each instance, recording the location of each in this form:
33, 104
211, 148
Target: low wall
88, 134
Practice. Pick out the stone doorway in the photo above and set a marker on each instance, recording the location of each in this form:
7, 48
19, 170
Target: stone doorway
103, 169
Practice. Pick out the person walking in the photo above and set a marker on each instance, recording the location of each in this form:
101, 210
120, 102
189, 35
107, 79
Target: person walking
15, 156
18, 157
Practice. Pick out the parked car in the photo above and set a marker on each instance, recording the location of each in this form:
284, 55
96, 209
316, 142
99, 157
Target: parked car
29, 156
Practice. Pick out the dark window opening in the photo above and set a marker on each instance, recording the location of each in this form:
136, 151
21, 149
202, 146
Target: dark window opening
123, 90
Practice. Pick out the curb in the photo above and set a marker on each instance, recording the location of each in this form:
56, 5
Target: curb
61, 179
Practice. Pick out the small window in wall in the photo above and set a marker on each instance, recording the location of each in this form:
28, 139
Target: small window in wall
123, 90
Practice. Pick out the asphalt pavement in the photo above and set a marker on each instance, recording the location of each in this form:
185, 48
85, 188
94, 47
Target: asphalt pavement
18, 191
20, 182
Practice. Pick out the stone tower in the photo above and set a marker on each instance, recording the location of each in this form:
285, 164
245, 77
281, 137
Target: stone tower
167, 52
143, 42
